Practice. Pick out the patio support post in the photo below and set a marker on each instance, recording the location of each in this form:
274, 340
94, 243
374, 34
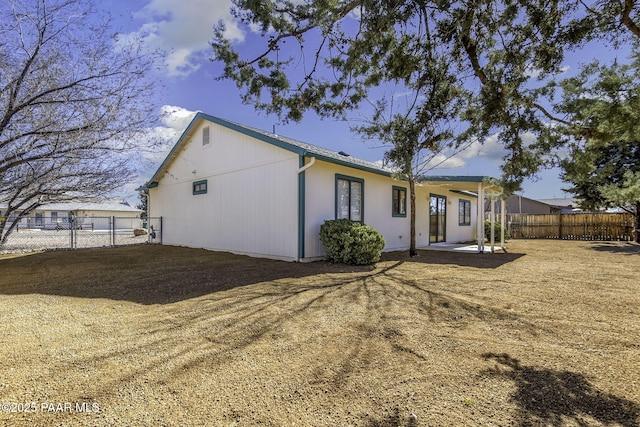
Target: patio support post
480, 219
493, 223
503, 220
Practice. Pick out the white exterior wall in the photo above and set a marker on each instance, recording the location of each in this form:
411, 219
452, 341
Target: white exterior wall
320, 203
91, 219
100, 219
321, 199
251, 204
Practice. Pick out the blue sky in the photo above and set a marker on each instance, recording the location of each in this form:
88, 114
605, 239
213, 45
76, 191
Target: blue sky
182, 29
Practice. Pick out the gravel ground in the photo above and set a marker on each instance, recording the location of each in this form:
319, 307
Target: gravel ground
547, 334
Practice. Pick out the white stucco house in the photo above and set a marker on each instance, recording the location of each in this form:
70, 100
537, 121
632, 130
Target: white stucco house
94, 216
229, 187
88, 215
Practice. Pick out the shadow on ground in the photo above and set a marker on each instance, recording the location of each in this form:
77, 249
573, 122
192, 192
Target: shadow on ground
147, 274
151, 274
394, 419
461, 259
629, 248
549, 397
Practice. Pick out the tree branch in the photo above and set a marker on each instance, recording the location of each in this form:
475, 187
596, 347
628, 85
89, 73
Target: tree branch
626, 17
470, 47
549, 115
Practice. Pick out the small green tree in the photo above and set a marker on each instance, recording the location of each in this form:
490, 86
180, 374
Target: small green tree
421, 127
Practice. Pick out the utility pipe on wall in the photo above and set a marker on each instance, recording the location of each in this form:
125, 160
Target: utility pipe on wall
307, 166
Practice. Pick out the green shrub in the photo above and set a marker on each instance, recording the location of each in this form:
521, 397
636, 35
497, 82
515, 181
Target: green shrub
497, 228
351, 242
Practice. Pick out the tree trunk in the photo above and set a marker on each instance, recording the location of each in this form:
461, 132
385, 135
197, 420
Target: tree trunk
636, 226
412, 196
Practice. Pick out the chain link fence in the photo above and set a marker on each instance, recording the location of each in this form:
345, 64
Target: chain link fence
46, 233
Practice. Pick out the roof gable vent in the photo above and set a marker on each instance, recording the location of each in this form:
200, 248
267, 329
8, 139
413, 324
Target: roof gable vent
206, 131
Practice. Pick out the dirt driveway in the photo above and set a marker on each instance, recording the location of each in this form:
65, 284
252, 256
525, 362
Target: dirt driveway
547, 334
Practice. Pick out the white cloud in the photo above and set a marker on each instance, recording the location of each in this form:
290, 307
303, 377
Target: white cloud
176, 118
174, 121
490, 150
443, 161
182, 29
532, 72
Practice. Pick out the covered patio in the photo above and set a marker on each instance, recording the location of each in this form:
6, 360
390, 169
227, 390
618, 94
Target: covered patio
483, 188
459, 247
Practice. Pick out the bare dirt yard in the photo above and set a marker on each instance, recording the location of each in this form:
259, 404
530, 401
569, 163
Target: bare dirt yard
547, 334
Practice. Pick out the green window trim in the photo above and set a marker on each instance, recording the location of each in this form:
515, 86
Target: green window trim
350, 191
199, 187
398, 201
464, 212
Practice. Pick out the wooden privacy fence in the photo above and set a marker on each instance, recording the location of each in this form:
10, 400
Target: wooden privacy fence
571, 226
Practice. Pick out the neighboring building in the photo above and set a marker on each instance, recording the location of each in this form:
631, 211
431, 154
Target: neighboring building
229, 187
562, 205
517, 204
89, 216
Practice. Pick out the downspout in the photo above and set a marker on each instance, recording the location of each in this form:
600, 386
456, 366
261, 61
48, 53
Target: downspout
301, 204
307, 166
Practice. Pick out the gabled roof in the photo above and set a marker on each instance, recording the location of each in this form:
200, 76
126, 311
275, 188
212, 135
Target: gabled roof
289, 144
302, 149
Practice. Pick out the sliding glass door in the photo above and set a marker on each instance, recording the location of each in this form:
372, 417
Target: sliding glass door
437, 218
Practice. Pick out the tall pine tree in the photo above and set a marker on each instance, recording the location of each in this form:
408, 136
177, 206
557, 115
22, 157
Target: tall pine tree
602, 106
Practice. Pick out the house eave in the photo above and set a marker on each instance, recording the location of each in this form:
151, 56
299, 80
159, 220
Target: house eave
463, 183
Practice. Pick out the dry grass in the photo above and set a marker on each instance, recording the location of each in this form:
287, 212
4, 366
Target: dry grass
547, 334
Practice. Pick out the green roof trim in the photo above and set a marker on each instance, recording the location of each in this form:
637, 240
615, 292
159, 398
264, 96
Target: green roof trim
453, 178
